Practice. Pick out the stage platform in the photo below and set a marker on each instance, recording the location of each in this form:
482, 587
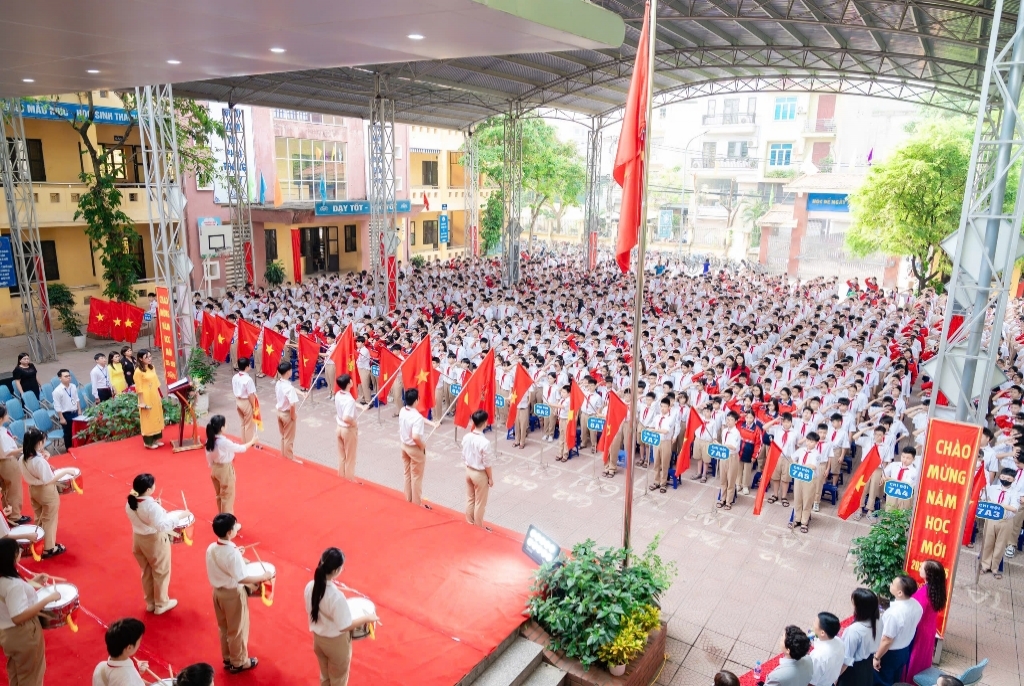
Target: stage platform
447, 593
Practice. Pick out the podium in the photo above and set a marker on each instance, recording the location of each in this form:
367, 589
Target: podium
185, 393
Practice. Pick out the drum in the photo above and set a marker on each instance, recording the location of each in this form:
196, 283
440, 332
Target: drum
70, 483
265, 589
34, 544
359, 607
60, 612
186, 523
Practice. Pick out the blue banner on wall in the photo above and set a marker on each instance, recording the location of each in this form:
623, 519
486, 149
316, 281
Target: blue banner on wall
8, 277
444, 235
828, 202
67, 111
334, 208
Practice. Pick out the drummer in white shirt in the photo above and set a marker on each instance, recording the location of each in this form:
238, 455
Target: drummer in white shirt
21, 635
331, 621
151, 543
123, 639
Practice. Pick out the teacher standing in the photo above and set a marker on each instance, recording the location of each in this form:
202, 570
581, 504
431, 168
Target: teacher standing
151, 411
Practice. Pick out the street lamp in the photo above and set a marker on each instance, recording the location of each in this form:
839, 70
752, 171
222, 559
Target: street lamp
686, 169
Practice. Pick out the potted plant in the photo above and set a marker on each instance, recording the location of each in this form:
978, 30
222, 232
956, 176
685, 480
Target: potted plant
597, 609
880, 555
274, 274
202, 373
118, 418
62, 300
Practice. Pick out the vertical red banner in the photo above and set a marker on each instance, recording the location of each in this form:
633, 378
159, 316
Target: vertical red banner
250, 274
943, 493
163, 334
297, 254
392, 284
592, 258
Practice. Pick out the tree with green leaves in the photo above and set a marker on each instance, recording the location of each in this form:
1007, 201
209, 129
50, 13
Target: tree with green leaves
490, 225
554, 173
108, 227
910, 202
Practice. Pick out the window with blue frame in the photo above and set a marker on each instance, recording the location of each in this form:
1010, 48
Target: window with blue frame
779, 154
785, 108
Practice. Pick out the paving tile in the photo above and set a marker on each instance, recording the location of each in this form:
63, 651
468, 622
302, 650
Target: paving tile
668, 672
748, 655
676, 650
703, 662
687, 677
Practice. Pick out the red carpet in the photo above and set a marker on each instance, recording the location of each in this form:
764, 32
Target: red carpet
447, 593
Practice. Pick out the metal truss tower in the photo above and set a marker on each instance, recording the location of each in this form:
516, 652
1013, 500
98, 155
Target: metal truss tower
986, 246
471, 181
237, 173
166, 203
383, 209
512, 193
21, 212
592, 212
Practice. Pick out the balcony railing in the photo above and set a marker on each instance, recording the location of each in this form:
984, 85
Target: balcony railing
820, 126
737, 163
56, 203
729, 118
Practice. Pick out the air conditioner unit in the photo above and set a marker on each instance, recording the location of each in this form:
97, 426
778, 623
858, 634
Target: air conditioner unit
211, 270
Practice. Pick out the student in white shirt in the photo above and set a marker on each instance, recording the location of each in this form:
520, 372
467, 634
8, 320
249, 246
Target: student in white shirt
999, 534
803, 491
21, 635
151, 543
414, 445
244, 390
10, 472
903, 471
730, 469
123, 639
42, 488
829, 651
220, 458
476, 453
899, 624
330, 619
860, 640
348, 429
287, 405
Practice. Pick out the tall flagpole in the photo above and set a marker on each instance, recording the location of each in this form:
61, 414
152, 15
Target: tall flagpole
638, 305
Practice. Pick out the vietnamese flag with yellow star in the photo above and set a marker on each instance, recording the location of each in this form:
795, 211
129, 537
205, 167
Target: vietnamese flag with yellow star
576, 399
99, 318
248, 334
116, 313
273, 346
132, 321
520, 387
617, 413
774, 453
344, 358
309, 352
850, 502
478, 393
389, 364
207, 332
416, 374
223, 332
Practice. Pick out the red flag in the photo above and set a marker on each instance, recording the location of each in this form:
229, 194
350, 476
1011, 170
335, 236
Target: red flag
774, 453
344, 357
693, 422
629, 163
309, 352
972, 506
99, 318
116, 310
257, 416
132, 321
248, 334
617, 412
576, 399
426, 203
274, 345
389, 364
850, 501
208, 332
416, 374
520, 387
223, 332
478, 393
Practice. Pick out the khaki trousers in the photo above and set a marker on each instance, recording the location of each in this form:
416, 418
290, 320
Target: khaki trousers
876, 488
563, 436
10, 482
820, 473
286, 425
26, 653
413, 461
153, 553
522, 425
223, 477
997, 536
229, 604
897, 504
781, 478
700, 451
588, 438
334, 655
245, 410
395, 396
662, 458
803, 498
45, 505
476, 495
549, 425
365, 395
613, 450
501, 413
729, 477
348, 438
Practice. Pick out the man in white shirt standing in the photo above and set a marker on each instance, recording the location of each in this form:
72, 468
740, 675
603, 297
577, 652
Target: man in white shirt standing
65, 404
100, 379
899, 624
244, 389
287, 405
829, 651
414, 446
476, 453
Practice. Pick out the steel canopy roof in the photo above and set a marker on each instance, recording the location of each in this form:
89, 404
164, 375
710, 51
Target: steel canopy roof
927, 51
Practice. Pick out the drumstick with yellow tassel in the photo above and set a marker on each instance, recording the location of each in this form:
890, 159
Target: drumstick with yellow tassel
268, 598
184, 533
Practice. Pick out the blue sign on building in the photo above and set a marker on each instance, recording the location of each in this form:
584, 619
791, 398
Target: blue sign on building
992, 511
801, 473
827, 202
651, 438
595, 424
67, 111
8, 276
345, 208
717, 451
542, 410
442, 227
899, 490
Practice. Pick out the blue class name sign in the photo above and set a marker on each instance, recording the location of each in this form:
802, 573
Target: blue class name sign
801, 472
595, 424
344, 208
899, 490
991, 511
717, 451
455, 388
499, 401
542, 410
651, 438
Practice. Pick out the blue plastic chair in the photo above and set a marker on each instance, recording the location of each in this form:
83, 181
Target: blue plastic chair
831, 491
54, 382
5, 394
971, 676
84, 400
46, 396
88, 393
15, 410
30, 401
74, 380
18, 429
45, 424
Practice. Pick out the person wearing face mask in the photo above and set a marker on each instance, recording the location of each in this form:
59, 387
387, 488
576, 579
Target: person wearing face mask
998, 534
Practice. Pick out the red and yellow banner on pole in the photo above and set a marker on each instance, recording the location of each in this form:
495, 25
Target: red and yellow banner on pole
163, 328
943, 494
